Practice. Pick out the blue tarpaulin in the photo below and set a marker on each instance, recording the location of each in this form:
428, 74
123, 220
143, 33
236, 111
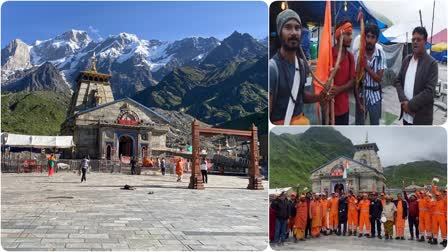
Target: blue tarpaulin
313, 11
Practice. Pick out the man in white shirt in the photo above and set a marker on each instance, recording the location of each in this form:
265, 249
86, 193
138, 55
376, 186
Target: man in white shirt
203, 167
416, 81
84, 166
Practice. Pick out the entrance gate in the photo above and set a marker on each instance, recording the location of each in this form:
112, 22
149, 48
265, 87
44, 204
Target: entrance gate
254, 173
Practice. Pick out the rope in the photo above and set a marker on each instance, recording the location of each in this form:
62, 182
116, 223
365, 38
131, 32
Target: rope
329, 83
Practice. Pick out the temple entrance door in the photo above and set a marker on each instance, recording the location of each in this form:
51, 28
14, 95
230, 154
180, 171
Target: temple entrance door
108, 152
126, 146
143, 153
337, 186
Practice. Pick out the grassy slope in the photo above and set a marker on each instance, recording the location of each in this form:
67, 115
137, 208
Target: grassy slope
36, 113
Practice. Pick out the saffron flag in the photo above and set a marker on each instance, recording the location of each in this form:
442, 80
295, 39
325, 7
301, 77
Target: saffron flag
361, 61
325, 55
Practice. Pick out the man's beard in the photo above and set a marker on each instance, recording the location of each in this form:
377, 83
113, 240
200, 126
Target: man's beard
286, 47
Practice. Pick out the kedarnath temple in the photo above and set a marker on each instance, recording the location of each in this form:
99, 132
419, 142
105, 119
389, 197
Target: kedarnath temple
105, 128
365, 173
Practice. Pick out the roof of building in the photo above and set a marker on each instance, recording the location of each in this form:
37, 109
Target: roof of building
367, 144
120, 100
350, 159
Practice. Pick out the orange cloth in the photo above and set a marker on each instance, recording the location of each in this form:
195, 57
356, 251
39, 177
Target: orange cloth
325, 56
352, 214
147, 162
179, 169
334, 210
316, 217
383, 202
300, 220
364, 207
399, 220
290, 224
347, 27
296, 120
438, 218
324, 203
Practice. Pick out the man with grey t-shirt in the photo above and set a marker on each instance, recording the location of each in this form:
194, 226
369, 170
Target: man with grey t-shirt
287, 75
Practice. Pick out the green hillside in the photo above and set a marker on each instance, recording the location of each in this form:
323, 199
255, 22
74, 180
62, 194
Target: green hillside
214, 95
293, 156
421, 172
34, 113
260, 119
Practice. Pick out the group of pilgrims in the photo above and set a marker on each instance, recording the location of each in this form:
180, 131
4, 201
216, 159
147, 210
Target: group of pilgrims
311, 215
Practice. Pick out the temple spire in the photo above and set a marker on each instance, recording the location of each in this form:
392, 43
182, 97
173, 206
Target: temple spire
93, 63
367, 137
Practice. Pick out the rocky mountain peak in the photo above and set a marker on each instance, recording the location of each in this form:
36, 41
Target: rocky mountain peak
15, 56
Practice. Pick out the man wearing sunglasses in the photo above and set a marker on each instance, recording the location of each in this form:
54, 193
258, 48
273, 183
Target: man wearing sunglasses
416, 81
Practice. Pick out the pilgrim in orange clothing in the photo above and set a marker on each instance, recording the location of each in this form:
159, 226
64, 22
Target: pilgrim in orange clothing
179, 169
399, 220
439, 216
334, 204
325, 211
51, 163
424, 215
353, 216
316, 216
300, 219
364, 221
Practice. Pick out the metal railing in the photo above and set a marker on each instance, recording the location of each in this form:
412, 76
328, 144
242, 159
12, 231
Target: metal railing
20, 165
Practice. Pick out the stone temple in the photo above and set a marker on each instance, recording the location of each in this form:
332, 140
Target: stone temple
105, 128
364, 173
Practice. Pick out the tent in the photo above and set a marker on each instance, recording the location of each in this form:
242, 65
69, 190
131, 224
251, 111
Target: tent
17, 140
440, 47
439, 37
439, 51
397, 32
313, 12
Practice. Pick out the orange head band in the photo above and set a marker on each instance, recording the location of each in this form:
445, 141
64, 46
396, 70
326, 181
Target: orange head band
345, 28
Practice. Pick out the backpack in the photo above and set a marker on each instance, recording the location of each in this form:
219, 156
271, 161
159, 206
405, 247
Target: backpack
273, 65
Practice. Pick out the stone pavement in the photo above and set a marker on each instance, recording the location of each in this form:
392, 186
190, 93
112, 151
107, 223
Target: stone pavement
333, 242
60, 213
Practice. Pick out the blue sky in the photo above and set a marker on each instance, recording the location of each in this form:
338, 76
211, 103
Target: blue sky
32, 21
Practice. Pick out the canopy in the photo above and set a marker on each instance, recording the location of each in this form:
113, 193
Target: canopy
440, 47
18, 140
397, 33
313, 12
439, 37
278, 190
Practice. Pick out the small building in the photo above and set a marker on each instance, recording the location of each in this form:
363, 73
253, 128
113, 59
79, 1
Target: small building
105, 128
364, 172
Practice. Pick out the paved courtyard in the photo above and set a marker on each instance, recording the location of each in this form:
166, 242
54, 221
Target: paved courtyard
60, 213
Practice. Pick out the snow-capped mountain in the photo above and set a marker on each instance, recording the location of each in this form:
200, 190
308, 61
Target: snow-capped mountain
56, 50
134, 63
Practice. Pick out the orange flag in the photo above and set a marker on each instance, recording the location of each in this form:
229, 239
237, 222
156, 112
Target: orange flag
362, 51
325, 56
